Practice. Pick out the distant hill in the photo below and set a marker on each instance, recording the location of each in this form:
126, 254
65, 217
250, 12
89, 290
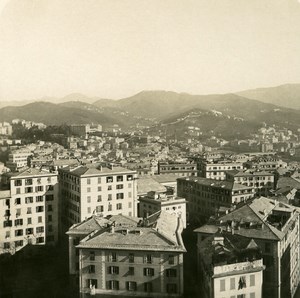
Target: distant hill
54, 114
209, 123
285, 95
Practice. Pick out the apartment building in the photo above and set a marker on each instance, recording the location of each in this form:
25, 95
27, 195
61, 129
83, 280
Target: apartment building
229, 267
261, 181
154, 202
129, 259
18, 159
205, 196
30, 210
216, 169
265, 163
274, 226
92, 189
177, 168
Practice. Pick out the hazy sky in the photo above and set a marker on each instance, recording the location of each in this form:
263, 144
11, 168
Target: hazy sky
116, 48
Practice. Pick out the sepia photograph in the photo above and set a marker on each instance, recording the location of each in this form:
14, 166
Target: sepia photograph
149, 148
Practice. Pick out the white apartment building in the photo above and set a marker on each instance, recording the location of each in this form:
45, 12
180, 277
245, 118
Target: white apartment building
18, 160
29, 210
92, 189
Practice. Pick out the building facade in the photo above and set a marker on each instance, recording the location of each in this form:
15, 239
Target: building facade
30, 211
92, 189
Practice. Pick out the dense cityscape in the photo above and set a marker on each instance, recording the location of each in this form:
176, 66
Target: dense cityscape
101, 211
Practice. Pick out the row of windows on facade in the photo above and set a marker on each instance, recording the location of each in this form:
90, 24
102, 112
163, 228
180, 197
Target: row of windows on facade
30, 189
30, 181
19, 221
29, 210
131, 271
237, 283
119, 196
109, 208
40, 240
28, 231
130, 286
113, 257
29, 200
99, 188
108, 179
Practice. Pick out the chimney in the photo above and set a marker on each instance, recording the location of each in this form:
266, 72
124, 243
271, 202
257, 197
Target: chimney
218, 240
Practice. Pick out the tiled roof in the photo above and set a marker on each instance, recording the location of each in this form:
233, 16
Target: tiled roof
255, 213
33, 172
144, 185
137, 238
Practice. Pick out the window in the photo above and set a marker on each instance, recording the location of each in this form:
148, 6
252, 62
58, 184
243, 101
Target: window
171, 259
113, 285
241, 296
40, 240
129, 195
99, 198
148, 287
7, 223
28, 189
40, 229
109, 197
29, 221
148, 259
119, 186
222, 285
40, 219
100, 208
49, 218
252, 295
112, 257
92, 283
39, 208
29, 200
171, 272
119, 178
110, 207
131, 271
232, 283
109, 179
7, 234
29, 231
120, 196
28, 181
119, 206
6, 245
19, 243
131, 258
18, 212
39, 199
50, 228
18, 232
113, 270
242, 282
49, 197
148, 271
109, 187
19, 222
88, 181
39, 188
92, 256
88, 199
49, 179
17, 201
171, 288
92, 269
129, 177
131, 285
88, 189
18, 190
99, 188
89, 210
29, 210
252, 280
50, 208
99, 180
18, 182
